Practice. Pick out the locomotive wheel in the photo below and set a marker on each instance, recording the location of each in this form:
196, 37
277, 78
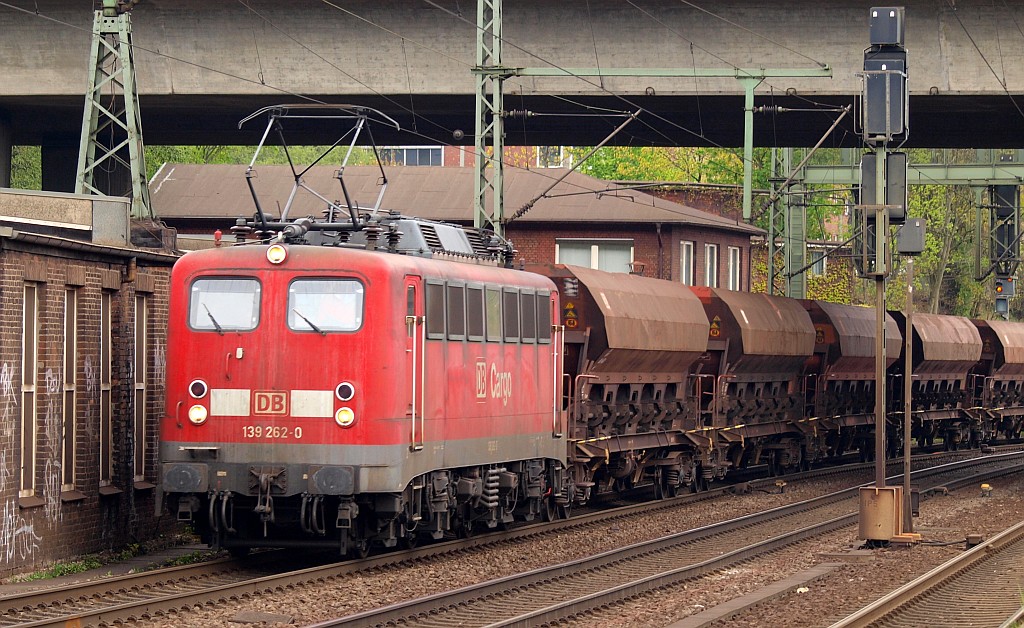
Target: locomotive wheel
238, 552
549, 511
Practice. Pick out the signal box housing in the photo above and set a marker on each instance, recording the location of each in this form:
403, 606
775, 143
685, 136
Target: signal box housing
887, 26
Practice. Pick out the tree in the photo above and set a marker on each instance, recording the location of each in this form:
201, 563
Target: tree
689, 164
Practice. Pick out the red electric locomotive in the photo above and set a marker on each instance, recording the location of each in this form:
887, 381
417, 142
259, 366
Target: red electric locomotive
328, 395
357, 380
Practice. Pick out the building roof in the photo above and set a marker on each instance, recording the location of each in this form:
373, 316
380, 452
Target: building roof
181, 191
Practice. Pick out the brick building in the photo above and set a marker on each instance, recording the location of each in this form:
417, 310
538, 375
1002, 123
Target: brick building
83, 317
582, 220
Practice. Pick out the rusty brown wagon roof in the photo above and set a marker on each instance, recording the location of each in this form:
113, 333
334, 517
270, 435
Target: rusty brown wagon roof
856, 328
948, 338
437, 193
646, 314
770, 325
1011, 335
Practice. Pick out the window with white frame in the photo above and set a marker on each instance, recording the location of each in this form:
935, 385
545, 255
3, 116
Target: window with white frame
29, 420
610, 255
686, 258
106, 435
550, 156
711, 265
734, 268
70, 425
412, 156
141, 370
818, 261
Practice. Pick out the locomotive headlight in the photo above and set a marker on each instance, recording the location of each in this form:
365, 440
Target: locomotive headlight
197, 414
276, 254
198, 389
345, 417
345, 391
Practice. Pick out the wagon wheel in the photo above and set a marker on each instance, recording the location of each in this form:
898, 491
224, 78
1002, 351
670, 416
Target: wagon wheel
671, 490
659, 486
360, 549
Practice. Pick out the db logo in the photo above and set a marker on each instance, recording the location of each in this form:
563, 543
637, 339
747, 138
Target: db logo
481, 379
270, 402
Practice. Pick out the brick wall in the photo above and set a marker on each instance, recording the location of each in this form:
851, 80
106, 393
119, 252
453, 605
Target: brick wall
660, 254
727, 202
56, 522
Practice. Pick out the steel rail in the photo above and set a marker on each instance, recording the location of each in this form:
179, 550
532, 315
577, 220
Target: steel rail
975, 566
43, 607
488, 592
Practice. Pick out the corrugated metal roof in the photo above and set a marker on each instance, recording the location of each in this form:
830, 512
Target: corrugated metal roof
437, 193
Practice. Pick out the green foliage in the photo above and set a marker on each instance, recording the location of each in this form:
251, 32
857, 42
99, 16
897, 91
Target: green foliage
63, 569
192, 558
699, 165
300, 155
26, 168
836, 285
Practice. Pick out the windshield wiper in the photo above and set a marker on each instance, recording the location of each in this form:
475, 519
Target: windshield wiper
310, 323
220, 330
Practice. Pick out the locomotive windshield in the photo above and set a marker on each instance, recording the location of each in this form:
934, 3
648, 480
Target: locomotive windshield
323, 305
224, 304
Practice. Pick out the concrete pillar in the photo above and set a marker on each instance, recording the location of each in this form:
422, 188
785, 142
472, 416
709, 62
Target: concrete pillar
6, 144
60, 166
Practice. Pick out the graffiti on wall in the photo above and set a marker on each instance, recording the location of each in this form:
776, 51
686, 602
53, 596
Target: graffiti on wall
53, 424
18, 538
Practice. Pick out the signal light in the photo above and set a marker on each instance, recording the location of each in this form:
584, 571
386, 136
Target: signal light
1005, 287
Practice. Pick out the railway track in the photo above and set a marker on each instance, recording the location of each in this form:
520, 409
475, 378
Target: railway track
570, 589
981, 587
165, 591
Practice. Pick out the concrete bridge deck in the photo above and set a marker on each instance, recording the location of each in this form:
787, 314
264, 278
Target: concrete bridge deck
202, 66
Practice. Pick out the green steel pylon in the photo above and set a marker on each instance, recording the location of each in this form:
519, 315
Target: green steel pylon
108, 128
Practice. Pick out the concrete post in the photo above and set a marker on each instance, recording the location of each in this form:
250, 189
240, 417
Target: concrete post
6, 145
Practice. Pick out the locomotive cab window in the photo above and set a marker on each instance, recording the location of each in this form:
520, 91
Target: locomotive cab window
323, 305
224, 304
544, 317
